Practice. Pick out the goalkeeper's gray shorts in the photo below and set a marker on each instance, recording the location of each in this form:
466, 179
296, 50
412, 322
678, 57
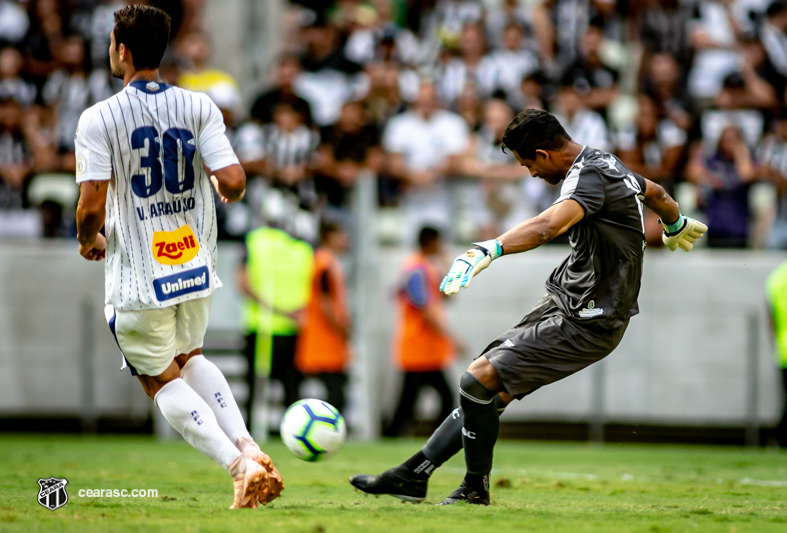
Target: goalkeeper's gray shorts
546, 347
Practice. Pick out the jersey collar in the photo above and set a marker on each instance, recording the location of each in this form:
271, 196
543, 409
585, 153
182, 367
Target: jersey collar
149, 87
576, 159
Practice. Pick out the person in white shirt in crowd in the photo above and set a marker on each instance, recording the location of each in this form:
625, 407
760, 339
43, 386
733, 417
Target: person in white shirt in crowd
531, 15
466, 68
363, 43
652, 146
443, 26
68, 91
11, 83
13, 21
714, 34
328, 78
771, 155
501, 186
511, 64
424, 145
237, 218
583, 124
773, 34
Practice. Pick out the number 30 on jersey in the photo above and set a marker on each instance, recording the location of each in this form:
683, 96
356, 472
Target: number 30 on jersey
168, 162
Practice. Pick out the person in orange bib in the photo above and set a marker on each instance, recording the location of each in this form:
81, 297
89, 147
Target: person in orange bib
323, 349
424, 345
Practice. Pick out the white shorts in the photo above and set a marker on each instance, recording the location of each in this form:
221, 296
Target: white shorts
150, 339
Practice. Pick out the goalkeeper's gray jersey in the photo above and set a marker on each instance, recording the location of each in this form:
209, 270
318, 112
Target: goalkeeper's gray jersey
599, 282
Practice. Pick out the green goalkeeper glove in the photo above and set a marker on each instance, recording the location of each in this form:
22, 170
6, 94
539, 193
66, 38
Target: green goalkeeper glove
469, 264
683, 233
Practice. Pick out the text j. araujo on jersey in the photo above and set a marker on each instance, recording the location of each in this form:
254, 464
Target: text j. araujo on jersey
150, 141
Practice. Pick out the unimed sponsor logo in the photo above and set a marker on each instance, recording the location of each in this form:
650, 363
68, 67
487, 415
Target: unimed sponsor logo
181, 283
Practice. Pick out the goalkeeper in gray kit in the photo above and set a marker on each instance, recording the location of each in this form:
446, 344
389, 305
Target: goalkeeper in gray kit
590, 297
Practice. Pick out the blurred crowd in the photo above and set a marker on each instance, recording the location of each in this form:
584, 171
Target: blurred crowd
416, 94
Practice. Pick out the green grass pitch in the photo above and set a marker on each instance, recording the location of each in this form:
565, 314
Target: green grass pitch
536, 487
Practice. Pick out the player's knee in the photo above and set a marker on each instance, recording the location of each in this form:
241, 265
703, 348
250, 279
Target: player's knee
472, 389
184, 358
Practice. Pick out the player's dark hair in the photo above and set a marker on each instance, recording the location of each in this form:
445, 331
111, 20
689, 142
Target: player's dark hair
145, 31
534, 129
428, 235
775, 9
328, 228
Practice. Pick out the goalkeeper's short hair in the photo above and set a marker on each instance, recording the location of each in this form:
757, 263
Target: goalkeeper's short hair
534, 129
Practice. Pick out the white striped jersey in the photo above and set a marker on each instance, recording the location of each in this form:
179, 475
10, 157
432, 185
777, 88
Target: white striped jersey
150, 140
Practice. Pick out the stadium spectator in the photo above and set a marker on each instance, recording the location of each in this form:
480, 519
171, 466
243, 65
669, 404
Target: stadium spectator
16, 166
662, 26
12, 85
571, 20
509, 65
328, 79
532, 17
276, 293
532, 92
423, 146
236, 219
443, 26
283, 91
16, 155
48, 26
599, 80
323, 346
772, 157
714, 34
723, 177
384, 95
197, 74
383, 39
501, 185
470, 106
774, 36
467, 68
290, 200
653, 148
70, 90
347, 148
13, 22
583, 124
424, 345
663, 81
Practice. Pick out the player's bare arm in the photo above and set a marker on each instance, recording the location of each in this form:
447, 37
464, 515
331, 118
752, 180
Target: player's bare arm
91, 211
679, 231
660, 202
541, 229
230, 183
532, 233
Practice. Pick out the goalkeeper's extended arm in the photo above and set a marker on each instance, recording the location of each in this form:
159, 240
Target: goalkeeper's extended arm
679, 231
529, 234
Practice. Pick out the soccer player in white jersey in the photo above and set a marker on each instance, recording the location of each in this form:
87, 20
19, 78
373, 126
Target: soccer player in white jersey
143, 161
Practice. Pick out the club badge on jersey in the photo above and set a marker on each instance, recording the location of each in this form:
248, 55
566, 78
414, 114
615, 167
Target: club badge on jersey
175, 247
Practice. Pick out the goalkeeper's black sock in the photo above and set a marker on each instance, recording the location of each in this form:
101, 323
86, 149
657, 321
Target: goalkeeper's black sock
444, 443
419, 466
481, 424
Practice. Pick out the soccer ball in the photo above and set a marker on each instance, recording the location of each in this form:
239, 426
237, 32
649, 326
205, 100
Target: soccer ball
312, 429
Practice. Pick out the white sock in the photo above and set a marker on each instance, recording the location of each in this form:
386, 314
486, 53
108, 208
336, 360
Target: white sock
192, 418
206, 378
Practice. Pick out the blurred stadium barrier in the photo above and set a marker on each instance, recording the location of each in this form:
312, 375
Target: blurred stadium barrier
698, 354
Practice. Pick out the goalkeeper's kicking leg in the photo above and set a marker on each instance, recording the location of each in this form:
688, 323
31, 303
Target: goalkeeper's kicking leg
408, 481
